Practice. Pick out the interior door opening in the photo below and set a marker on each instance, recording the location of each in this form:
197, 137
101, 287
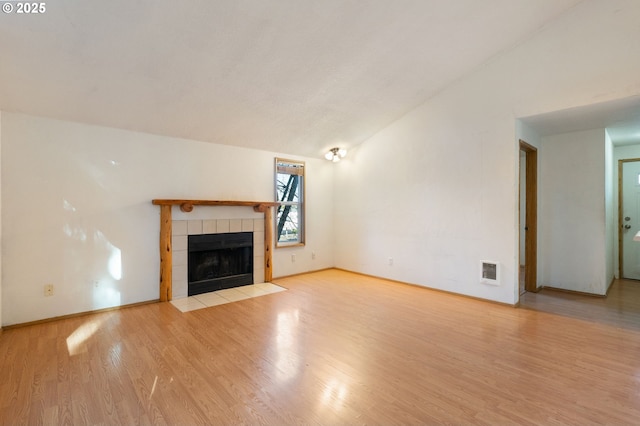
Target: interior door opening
528, 218
522, 219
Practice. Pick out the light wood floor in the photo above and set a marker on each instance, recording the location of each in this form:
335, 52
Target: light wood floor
336, 348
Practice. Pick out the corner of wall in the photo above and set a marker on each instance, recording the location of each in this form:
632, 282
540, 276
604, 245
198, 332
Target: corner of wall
610, 212
1, 322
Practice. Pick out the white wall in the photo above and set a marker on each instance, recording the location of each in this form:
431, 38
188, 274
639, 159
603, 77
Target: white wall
572, 207
625, 152
77, 212
437, 189
1, 241
611, 211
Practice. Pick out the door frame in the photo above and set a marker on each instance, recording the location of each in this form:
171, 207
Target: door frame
531, 218
620, 213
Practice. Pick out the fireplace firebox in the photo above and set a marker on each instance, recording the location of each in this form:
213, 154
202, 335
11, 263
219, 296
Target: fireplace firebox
219, 261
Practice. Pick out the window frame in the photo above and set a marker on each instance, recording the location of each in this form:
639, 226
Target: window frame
300, 204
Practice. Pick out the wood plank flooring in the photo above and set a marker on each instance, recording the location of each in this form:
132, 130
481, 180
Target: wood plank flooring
336, 348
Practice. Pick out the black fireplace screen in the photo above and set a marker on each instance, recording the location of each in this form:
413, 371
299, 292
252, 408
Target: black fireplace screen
219, 261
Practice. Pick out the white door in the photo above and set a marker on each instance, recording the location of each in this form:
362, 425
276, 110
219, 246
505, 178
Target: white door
630, 223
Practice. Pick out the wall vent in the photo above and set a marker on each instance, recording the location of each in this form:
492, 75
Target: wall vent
489, 272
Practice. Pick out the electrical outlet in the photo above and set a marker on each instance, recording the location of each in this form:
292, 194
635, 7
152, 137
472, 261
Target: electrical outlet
391, 261
48, 290
313, 255
293, 257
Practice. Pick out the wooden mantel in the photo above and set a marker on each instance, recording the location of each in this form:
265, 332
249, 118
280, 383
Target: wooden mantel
166, 252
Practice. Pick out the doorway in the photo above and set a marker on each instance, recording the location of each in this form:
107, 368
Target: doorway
528, 218
629, 217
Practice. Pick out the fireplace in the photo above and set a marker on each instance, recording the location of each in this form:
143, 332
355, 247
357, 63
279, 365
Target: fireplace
219, 261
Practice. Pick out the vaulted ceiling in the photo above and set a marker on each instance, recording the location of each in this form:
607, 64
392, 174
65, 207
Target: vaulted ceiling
290, 76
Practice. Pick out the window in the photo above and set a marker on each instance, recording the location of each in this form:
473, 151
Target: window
290, 195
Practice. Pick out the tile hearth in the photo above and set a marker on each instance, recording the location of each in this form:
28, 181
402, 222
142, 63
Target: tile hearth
221, 297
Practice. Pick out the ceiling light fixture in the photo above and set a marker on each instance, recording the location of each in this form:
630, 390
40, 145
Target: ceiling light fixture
335, 154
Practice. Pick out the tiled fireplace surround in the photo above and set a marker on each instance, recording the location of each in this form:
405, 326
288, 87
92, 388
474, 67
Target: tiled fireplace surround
181, 229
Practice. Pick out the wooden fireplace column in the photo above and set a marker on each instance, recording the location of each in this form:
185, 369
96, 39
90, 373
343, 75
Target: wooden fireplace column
166, 252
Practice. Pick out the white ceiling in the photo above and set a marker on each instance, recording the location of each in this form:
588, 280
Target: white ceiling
621, 118
291, 76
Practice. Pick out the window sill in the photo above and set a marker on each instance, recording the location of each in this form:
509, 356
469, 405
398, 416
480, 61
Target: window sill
284, 245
